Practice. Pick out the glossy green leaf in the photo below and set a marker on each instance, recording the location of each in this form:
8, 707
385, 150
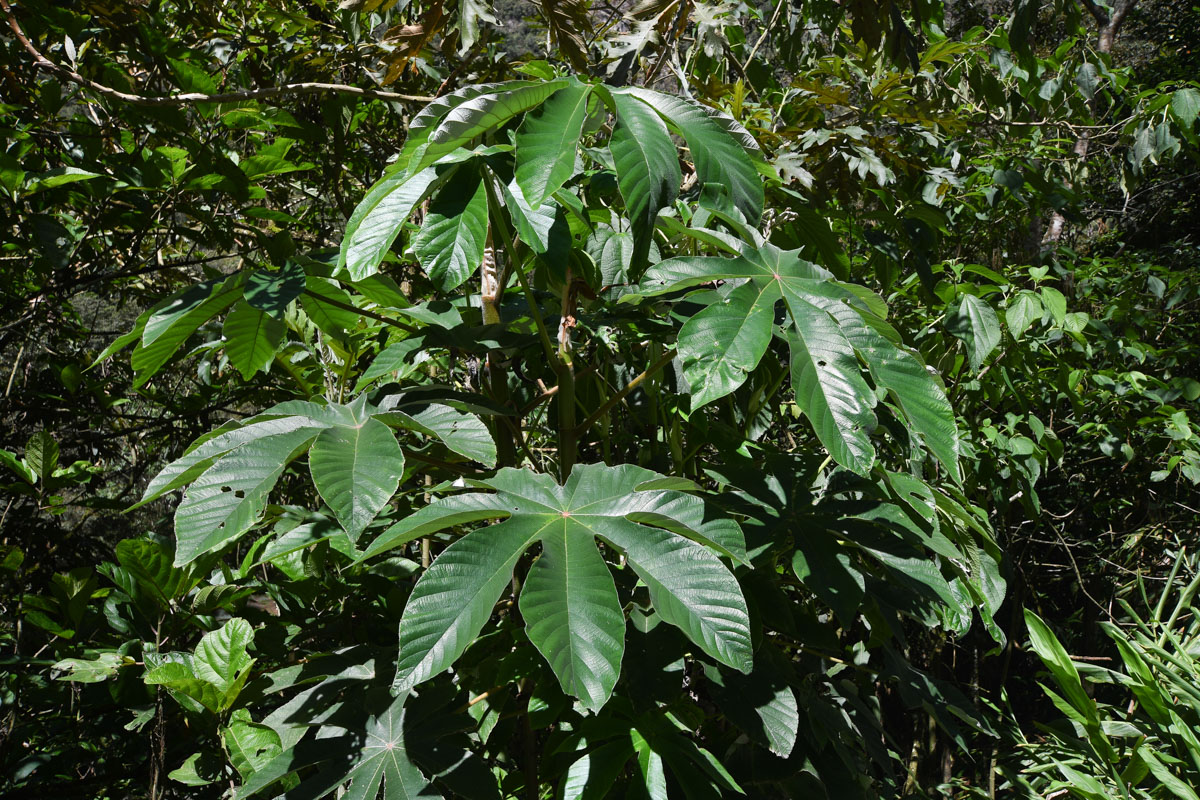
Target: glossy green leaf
647, 169
830, 389
250, 745
356, 469
573, 615
1185, 106
18, 466
830, 327
198, 769
41, 454
459, 431
547, 142
477, 115
537, 226
975, 323
454, 598
151, 565
325, 304
725, 341
175, 328
1023, 310
203, 452
1055, 302
893, 367
398, 359
229, 497
379, 218
722, 150
252, 337
180, 308
650, 767
575, 630
690, 588
222, 656
592, 775
451, 241
189, 690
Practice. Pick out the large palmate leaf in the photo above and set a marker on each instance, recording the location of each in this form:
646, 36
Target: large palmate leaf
831, 326
547, 142
723, 151
355, 463
647, 169
373, 760
451, 241
570, 604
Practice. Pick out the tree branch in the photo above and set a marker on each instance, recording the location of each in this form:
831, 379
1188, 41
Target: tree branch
1096, 11
192, 98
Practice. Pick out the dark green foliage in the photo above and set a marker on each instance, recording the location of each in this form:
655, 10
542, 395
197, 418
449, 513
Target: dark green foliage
700, 412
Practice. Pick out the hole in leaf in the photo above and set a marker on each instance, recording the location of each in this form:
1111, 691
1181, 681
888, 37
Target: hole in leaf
239, 494
226, 488
820, 363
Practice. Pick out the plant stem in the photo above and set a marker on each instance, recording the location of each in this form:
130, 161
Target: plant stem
665, 359
510, 256
568, 433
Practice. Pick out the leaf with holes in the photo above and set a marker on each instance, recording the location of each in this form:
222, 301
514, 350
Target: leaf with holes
229, 497
356, 464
